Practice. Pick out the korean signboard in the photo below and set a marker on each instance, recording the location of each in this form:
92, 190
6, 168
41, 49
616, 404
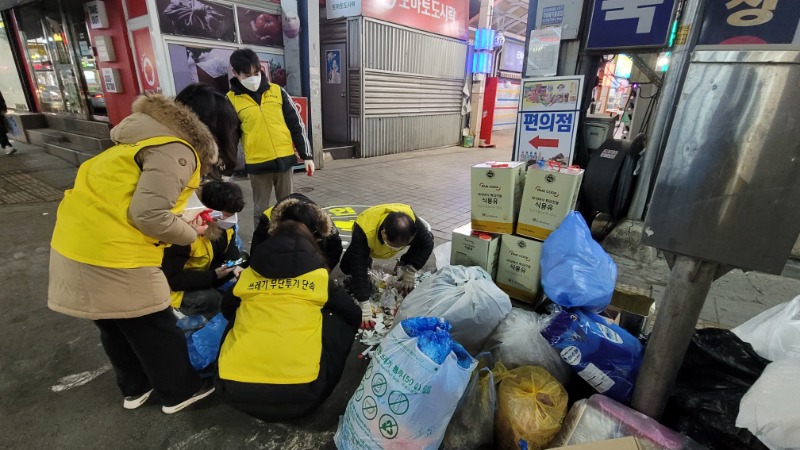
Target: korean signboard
747, 22
547, 121
445, 17
630, 23
342, 8
560, 13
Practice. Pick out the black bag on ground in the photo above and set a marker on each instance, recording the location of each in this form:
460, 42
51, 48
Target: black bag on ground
717, 371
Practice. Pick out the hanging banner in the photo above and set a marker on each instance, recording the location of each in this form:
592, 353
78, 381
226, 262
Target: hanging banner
751, 22
547, 121
445, 17
146, 60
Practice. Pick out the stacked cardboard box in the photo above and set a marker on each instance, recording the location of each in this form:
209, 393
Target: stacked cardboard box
513, 210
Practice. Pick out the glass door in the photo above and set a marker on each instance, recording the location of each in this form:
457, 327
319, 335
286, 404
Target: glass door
90, 78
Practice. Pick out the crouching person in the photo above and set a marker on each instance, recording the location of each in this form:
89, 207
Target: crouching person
291, 329
196, 272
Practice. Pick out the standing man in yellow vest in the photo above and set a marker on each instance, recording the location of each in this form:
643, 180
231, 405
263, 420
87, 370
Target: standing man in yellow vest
381, 232
270, 127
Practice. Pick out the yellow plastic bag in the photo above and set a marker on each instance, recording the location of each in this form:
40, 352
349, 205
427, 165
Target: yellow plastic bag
531, 405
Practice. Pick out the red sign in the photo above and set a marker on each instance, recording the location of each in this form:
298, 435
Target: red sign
540, 142
145, 58
446, 17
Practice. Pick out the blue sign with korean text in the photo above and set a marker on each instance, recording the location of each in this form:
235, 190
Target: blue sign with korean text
630, 23
553, 15
751, 22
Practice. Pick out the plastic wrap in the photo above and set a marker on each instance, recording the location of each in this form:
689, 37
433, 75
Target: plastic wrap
599, 418
409, 391
770, 408
204, 343
603, 354
531, 405
517, 342
775, 333
465, 296
576, 271
472, 425
717, 371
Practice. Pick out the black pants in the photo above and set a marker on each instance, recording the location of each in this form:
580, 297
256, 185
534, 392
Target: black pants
278, 402
150, 352
4, 142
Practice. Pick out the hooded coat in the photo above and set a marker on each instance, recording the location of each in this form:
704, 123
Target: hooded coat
93, 292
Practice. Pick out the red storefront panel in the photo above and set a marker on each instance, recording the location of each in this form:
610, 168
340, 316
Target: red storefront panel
445, 17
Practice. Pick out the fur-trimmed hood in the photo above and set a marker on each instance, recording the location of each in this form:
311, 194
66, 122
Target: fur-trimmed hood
324, 223
156, 115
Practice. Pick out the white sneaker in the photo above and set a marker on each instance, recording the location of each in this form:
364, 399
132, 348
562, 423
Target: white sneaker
11, 151
204, 392
135, 402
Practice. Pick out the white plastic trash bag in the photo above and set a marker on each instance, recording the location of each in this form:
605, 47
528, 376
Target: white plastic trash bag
465, 296
775, 333
442, 254
517, 342
409, 391
770, 409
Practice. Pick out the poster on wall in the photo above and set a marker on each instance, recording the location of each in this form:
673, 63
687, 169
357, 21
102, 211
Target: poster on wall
146, 61
751, 23
445, 17
543, 52
547, 121
197, 18
257, 27
333, 60
212, 66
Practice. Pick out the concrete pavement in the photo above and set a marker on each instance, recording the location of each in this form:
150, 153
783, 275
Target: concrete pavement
57, 389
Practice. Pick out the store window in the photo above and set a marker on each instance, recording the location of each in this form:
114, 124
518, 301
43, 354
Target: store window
10, 83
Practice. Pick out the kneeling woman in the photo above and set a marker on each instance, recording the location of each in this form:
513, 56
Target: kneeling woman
291, 329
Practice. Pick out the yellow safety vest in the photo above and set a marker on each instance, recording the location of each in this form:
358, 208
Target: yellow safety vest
268, 212
265, 136
201, 253
92, 224
277, 335
370, 222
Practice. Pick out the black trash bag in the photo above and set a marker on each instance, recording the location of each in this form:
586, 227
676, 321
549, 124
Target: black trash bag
717, 371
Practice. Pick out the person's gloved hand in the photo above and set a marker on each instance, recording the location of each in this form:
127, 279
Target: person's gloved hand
367, 321
309, 163
406, 277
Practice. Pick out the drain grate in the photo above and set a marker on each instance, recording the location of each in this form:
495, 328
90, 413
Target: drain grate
19, 187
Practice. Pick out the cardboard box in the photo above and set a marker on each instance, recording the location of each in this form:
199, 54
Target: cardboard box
518, 268
496, 192
475, 249
549, 195
626, 443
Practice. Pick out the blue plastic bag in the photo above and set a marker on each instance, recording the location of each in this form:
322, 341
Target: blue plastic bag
204, 343
603, 354
409, 391
576, 271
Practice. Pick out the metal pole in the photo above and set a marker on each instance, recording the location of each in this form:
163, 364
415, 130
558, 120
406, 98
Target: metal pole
479, 79
692, 18
687, 288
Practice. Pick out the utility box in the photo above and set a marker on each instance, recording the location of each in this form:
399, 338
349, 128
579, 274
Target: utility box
728, 189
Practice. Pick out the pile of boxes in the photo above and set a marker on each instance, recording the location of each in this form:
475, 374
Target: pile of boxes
514, 208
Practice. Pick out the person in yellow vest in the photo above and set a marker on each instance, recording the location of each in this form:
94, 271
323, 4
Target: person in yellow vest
271, 131
111, 230
382, 232
291, 329
196, 272
301, 209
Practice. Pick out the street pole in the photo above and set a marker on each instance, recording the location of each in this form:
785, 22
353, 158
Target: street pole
311, 80
691, 19
479, 79
685, 294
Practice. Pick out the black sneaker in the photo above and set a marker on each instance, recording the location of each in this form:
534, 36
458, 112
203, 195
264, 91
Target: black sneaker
205, 391
136, 401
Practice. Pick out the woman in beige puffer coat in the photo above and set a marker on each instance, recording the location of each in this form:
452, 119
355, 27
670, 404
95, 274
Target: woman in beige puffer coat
113, 226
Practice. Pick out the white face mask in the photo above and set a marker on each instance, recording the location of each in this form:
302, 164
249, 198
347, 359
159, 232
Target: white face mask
228, 223
251, 83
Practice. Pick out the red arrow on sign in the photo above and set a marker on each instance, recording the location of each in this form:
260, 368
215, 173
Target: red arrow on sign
539, 142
